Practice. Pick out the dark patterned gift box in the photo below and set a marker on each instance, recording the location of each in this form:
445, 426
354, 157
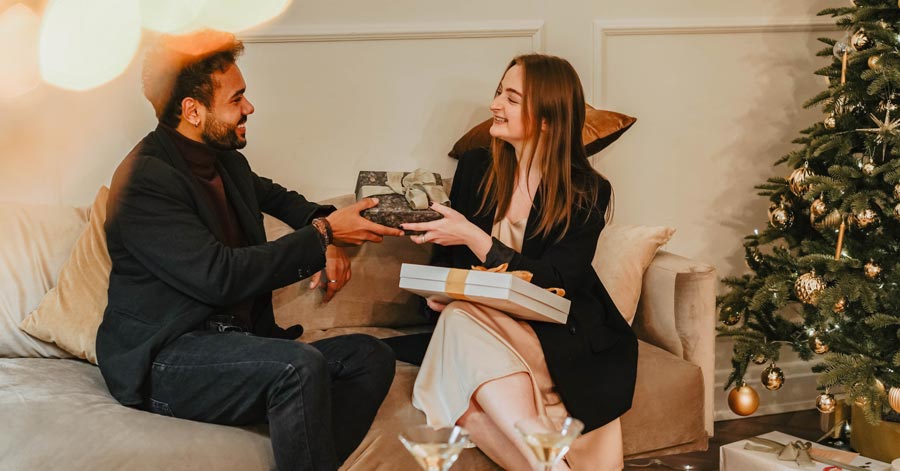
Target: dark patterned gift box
402, 196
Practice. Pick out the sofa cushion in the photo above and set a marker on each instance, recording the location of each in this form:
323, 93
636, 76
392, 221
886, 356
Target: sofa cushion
36, 241
371, 298
623, 254
64, 418
71, 312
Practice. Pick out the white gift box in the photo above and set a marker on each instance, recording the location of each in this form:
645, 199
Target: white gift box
733, 457
502, 291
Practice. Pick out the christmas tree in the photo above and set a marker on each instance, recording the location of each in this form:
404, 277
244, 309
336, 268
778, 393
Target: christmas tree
824, 273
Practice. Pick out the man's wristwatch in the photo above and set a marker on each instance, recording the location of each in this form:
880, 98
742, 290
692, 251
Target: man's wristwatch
326, 237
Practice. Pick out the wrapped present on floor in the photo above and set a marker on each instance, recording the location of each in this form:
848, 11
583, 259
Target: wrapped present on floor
780, 451
402, 196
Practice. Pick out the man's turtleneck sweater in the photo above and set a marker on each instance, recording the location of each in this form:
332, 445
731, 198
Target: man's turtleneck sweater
201, 160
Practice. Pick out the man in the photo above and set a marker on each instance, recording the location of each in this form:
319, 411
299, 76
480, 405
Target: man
189, 330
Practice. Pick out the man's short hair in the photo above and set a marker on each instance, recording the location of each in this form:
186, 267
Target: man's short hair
181, 66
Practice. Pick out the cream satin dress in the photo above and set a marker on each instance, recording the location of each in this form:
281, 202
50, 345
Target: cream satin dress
473, 344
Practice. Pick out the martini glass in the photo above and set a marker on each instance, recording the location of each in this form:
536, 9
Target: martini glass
435, 449
549, 437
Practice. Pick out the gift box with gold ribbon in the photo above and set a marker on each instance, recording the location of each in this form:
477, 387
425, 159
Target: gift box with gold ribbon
508, 292
780, 451
402, 196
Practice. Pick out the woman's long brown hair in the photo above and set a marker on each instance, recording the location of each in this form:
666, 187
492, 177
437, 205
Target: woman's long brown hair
552, 95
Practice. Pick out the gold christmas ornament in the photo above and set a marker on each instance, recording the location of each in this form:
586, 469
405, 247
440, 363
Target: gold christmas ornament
879, 386
758, 359
817, 208
874, 61
860, 41
772, 378
780, 217
840, 305
809, 287
797, 180
830, 122
897, 187
817, 345
833, 219
897, 211
743, 400
864, 218
868, 168
730, 317
871, 270
825, 403
894, 399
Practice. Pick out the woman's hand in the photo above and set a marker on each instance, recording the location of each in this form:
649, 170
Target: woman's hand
434, 305
452, 229
336, 272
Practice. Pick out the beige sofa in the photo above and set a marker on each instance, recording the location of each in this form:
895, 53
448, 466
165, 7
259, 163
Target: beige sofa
56, 413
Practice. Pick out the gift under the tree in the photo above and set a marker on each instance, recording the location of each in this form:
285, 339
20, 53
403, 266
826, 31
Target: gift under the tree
402, 196
780, 451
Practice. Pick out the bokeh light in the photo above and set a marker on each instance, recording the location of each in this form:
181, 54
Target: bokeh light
86, 44
19, 73
172, 16
239, 15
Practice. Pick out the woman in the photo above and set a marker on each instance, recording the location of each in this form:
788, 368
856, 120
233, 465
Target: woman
534, 202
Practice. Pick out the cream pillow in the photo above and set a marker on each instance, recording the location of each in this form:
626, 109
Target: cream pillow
36, 241
623, 254
70, 313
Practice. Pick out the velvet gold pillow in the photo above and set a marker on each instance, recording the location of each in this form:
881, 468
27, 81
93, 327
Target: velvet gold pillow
623, 254
70, 313
601, 128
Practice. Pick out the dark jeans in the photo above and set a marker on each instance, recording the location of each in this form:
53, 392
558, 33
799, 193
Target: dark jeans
319, 399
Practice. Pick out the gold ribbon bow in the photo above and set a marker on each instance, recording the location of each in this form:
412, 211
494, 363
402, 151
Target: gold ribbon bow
796, 451
524, 275
419, 187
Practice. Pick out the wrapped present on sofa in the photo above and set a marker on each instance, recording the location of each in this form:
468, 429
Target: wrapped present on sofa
403, 196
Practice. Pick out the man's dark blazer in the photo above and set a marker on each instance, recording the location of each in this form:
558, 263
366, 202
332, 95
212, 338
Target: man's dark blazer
169, 269
593, 358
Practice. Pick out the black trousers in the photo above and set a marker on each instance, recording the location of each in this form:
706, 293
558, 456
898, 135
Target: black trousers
319, 399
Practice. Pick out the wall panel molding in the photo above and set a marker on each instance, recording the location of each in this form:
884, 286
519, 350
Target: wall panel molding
603, 29
533, 29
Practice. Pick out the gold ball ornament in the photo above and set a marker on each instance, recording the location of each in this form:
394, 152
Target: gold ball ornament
817, 345
772, 378
871, 270
832, 220
730, 317
868, 168
826, 403
817, 208
860, 40
897, 187
897, 211
780, 217
809, 287
743, 400
840, 305
894, 399
797, 180
830, 122
758, 359
874, 62
864, 218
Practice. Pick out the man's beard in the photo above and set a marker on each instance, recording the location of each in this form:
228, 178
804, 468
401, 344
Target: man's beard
221, 135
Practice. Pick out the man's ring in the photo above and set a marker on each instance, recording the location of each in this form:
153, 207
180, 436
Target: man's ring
332, 281
422, 238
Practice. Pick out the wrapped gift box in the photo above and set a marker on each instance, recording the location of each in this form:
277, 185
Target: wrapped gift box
393, 207
503, 291
733, 457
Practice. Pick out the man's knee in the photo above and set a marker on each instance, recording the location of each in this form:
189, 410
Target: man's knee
301, 359
374, 355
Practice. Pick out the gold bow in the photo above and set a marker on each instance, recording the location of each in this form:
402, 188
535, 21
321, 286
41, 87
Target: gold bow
796, 451
418, 187
524, 275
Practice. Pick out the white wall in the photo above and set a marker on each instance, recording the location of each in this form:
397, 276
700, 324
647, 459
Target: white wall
345, 85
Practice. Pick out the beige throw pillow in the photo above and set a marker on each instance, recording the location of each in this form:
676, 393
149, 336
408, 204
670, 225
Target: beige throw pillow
623, 254
70, 313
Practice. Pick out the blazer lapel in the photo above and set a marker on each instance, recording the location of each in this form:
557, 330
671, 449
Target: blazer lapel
239, 196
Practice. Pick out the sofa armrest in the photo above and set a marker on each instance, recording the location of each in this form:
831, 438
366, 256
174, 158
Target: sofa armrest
677, 312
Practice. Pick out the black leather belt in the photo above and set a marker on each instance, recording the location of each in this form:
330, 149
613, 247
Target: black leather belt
224, 323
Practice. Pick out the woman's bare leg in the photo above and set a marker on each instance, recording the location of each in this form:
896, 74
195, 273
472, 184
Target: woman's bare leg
601, 449
491, 440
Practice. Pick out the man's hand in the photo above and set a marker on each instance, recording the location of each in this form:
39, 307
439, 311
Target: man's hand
349, 227
336, 273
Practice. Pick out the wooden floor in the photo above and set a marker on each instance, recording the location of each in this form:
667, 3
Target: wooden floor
801, 424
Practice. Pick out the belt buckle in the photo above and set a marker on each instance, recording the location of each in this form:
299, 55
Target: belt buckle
224, 328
